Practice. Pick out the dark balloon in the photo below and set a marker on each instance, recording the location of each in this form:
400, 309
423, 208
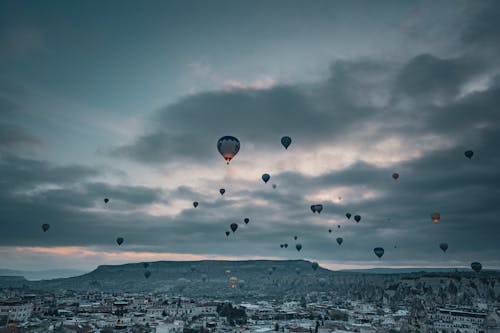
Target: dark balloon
274, 268
357, 218
295, 237
476, 267
195, 204
313, 208
228, 146
340, 240
286, 245
314, 265
286, 141
348, 215
395, 176
435, 217
266, 177
119, 240
246, 220
379, 252
222, 191
298, 247
147, 274
282, 246
233, 227
45, 227
443, 246
106, 200
330, 230
145, 264
319, 208
469, 154
227, 233
338, 226
274, 186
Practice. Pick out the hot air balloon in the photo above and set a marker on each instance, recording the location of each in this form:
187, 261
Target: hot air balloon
266, 177
233, 280
357, 218
476, 267
195, 204
119, 240
313, 208
286, 245
147, 274
340, 240
469, 154
295, 237
228, 147
233, 227
274, 186
298, 247
338, 226
395, 176
319, 208
286, 141
227, 233
106, 200
379, 252
222, 191
45, 227
314, 265
228, 271
145, 264
330, 230
348, 215
443, 246
282, 245
246, 220
435, 217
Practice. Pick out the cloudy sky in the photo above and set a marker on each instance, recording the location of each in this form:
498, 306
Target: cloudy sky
127, 99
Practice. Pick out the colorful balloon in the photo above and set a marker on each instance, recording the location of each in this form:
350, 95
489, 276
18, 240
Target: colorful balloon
435, 217
228, 146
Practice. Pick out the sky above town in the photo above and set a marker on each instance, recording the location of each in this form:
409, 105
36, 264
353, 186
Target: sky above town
126, 100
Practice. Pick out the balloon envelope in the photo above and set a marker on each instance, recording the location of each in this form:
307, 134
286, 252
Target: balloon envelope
395, 176
435, 217
469, 154
195, 204
222, 191
45, 227
348, 215
228, 146
266, 177
443, 246
233, 227
476, 267
286, 141
379, 252
106, 200
314, 265
227, 233
298, 247
246, 220
119, 240
357, 218
147, 274
340, 240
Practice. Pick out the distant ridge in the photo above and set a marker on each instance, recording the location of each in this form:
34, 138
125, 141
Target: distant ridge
408, 270
42, 275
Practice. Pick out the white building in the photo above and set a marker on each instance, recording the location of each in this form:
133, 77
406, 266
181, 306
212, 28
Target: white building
16, 310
